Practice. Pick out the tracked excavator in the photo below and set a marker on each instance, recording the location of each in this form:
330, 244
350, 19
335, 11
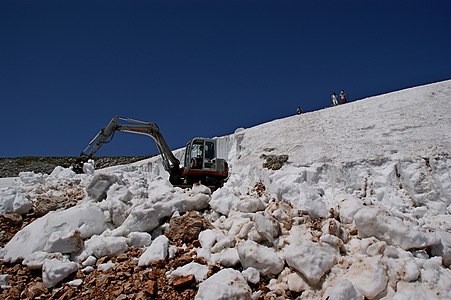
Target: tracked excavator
200, 165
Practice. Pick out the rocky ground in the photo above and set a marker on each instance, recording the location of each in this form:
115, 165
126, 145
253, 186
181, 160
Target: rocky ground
11, 167
125, 280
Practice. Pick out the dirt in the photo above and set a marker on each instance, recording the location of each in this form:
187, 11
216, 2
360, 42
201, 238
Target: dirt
11, 167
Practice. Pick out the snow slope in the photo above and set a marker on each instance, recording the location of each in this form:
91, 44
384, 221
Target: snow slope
360, 209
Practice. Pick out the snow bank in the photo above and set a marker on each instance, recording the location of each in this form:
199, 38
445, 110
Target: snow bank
359, 210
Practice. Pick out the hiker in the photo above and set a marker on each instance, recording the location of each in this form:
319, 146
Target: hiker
299, 110
334, 99
343, 97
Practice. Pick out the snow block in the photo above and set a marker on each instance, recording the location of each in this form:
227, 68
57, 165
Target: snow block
443, 248
158, 250
374, 222
64, 242
35, 260
342, 290
199, 271
226, 284
13, 202
100, 183
54, 271
100, 246
139, 239
369, 277
223, 201
259, 257
311, 259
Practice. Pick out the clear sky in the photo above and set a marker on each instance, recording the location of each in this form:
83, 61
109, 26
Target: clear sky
200, 68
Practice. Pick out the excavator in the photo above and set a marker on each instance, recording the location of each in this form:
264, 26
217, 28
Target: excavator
200, 165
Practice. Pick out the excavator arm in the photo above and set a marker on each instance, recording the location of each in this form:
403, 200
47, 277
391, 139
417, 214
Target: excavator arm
104, 136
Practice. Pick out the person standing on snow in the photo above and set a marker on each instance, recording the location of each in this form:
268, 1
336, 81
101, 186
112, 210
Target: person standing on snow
334, 99
343, 97
299, 110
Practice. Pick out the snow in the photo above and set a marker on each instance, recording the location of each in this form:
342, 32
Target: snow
361, 208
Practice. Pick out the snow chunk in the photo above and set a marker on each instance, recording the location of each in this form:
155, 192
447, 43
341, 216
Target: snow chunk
139, 239
105, 266
226, 284
54, 271
296, 283
223, 201
228, 257
36, 259
64, 242
251, 205
90, 261
100, 246
259, 257
199, 271
100, 183
342, 290
443, 249
373, 222
252, 275
313, 260
87, 219
75, 282
348, 207
158, 250
60, 173
11, 201
368, 276
201, 189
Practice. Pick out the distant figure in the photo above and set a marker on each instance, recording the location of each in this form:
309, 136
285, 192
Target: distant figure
334, 99
343, 97
299, 110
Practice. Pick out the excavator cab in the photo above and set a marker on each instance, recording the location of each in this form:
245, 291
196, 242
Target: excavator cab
200, 154
201, 162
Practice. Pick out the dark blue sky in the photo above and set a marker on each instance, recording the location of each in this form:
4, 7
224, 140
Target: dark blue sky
200, 68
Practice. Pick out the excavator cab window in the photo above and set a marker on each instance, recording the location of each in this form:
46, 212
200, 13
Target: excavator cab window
200, 154
209, 154
197, 154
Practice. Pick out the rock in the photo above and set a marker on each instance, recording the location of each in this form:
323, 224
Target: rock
274, 162
186, 228
183, 282
45, 204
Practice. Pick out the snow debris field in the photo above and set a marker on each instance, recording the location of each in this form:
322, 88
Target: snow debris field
359, 210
